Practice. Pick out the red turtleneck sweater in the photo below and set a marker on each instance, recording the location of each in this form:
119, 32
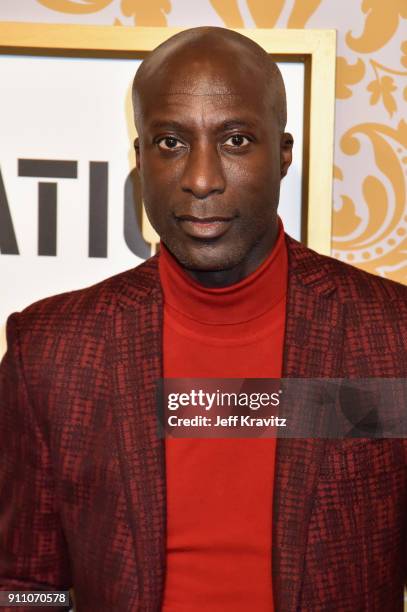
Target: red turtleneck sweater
220, 491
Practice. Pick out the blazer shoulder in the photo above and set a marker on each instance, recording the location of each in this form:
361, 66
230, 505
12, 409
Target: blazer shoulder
83, 309
349, 282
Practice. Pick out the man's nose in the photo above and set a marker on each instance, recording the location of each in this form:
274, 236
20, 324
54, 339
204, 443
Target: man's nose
203, 172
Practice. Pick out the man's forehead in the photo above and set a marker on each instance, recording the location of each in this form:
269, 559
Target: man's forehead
205, 102
219, 107
203, 82
200, 87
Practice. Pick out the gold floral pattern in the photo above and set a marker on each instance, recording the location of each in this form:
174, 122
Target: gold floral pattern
382, 88
265, 14
346, 220
382, 20
229, 12
302, 11
151, 13
75, 7
378, 244
347, 75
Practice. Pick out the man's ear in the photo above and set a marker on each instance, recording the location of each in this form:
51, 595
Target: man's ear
286, 152
137, 150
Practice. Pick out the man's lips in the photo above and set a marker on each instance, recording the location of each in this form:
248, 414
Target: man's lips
204, 227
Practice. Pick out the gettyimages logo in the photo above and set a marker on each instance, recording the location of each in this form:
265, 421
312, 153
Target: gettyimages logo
219, 398
289, 408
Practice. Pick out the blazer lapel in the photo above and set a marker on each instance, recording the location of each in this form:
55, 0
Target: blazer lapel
313, 340
137, 366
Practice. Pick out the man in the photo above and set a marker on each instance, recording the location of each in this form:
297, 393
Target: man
91, 496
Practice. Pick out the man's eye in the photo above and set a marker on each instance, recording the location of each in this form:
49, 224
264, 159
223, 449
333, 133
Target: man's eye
169, 143
237, 140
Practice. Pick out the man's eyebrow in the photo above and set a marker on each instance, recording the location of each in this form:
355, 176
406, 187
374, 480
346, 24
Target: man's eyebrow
236, 123
165, 125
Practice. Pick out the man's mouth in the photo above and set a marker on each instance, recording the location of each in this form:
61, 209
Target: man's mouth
205, 228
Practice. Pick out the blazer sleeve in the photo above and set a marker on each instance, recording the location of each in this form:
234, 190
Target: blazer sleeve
33, 551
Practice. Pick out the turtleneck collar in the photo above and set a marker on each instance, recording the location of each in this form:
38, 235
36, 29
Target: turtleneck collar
238, 303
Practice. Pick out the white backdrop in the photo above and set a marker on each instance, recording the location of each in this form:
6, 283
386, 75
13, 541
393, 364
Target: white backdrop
78, 111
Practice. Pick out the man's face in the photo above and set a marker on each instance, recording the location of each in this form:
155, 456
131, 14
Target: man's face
210, 159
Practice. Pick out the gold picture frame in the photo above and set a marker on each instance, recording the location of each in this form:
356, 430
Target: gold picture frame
315, 48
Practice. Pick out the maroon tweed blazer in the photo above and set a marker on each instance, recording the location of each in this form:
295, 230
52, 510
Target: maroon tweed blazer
82, 472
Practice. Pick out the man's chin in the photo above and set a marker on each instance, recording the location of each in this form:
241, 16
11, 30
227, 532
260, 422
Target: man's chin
206, 259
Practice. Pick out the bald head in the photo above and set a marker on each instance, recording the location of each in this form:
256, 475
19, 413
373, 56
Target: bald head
210, 47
